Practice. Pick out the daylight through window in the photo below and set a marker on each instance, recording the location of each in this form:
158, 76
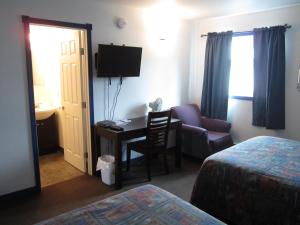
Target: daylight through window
241, 72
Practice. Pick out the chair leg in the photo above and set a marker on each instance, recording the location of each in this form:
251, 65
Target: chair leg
148, 159
166, 162
128, 159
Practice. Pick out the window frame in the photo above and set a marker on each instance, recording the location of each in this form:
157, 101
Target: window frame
245, 98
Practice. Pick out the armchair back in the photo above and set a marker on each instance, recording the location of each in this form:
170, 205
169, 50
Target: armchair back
189, 114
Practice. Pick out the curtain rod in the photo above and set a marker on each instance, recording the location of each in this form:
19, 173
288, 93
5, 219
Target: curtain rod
247, 32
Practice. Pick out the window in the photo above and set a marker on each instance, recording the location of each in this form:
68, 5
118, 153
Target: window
241, 72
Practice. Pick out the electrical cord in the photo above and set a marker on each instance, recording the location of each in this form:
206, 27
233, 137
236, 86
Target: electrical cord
104, 100
109, 111
116, 99
108, 92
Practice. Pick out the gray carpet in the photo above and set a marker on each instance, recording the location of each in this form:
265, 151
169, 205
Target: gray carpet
77, 192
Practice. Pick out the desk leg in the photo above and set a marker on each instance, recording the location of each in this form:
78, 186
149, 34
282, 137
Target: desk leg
118, 164
178, 147
97, 151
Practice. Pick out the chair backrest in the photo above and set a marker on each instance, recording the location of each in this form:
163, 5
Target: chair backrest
158, 128
189, 114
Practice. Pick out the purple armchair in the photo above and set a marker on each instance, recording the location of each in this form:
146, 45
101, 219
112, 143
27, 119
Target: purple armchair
201, 136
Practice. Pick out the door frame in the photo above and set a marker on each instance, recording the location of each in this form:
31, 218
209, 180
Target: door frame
90, 101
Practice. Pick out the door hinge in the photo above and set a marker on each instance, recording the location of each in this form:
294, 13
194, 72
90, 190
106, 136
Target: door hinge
83, 105
86, 155
81, 51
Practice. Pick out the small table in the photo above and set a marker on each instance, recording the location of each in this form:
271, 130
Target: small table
136, 128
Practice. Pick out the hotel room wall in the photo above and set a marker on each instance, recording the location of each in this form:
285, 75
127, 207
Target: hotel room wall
164, 73
240, 111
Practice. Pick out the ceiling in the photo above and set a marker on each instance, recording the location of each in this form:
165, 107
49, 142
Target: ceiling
210, 8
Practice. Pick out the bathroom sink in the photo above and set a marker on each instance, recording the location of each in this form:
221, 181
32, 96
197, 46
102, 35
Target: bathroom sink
44, 111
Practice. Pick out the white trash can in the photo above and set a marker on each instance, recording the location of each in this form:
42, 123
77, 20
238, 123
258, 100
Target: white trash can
106, 164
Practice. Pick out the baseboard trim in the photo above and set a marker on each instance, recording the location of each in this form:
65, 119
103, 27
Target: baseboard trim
18, 194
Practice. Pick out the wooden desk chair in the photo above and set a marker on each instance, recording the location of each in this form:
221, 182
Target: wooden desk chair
156, 140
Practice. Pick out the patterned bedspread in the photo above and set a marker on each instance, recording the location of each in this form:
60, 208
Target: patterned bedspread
254, 182
147, 204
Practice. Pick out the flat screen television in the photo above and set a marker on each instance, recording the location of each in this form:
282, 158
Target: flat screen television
118, 61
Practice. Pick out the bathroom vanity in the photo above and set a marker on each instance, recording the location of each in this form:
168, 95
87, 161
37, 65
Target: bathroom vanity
47, 135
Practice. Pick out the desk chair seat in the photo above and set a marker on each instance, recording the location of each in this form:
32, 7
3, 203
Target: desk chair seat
156, 140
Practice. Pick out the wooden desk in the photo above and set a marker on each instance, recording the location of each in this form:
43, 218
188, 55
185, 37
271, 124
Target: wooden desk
136, 128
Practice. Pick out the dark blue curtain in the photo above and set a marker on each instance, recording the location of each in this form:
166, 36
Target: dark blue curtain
214, 101
269, 78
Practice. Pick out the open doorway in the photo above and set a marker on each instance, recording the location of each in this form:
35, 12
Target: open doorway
60, 85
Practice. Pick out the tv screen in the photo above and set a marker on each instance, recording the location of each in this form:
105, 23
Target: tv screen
118, 61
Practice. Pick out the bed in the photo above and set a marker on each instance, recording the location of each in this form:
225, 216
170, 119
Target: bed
254, 182
147, 204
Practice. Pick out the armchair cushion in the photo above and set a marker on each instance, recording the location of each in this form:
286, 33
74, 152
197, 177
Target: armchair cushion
216, 125
219, 140
189, 114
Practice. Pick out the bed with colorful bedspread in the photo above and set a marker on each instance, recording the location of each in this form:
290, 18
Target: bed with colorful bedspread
254, 182
147, 204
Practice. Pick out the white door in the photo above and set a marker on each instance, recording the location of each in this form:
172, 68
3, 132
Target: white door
71, 80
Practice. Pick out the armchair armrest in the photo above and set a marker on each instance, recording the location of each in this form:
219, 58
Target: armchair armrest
199, 131
195, 141
216, 125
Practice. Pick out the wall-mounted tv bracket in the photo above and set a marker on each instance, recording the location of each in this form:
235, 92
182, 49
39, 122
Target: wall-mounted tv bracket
121, 80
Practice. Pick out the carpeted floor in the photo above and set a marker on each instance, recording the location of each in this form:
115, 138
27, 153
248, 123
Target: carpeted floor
71, 194
54, 169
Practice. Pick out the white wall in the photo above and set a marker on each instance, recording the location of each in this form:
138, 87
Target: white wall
164, 72
240, 112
